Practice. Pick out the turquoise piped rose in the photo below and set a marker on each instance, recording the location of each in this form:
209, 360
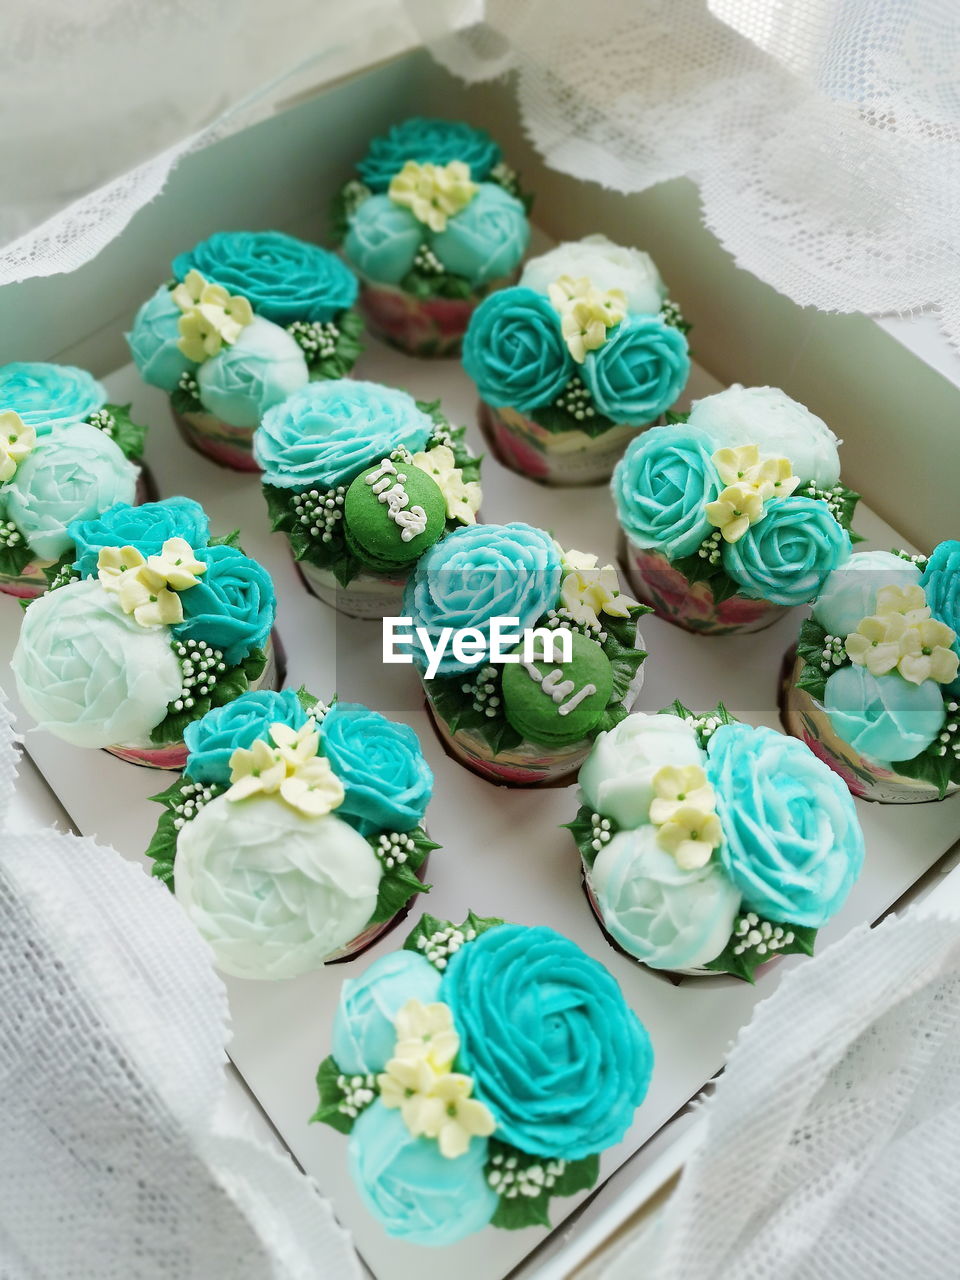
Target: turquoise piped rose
478, 573
639, 371
386, 780
283, 279
49, 396
382, 240
212, 740
885, 718
787, 555
248, 377
232, 607
514, 350
485, 240
416, 1193
661, 486
792, 843
146, 527
665, 916
328, 432
90, 673
364, 1037
74, 476
428, 141
153, 342
849, 594
941, 582
547, 1036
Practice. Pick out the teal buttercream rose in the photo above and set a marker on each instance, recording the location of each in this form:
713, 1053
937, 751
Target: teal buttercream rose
212, 740
73, 477
547, 1036
639, 371
666, 917
941, 582
259, 370
364, 1037
884, 717
49, 396
382, 240
386, 780
153, 342
283, 279
146, 527
849, 593
788, 554
415, 1192
514, 351
328, 432
428, 142
89, 673
486, 239
478, 573
791, 844
232, 607
661, 486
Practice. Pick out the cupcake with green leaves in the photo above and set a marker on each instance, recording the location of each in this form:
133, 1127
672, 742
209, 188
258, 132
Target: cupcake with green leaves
248, 318
296, 834
709, 846
364, 481
479, 1074
432, 222
66, 454
149, 622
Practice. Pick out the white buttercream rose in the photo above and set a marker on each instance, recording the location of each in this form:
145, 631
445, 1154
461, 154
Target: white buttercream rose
606, 265
616, 779
90, 673
777, 425
274, 892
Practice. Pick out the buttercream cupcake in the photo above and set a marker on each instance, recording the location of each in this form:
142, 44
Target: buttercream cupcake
710, 846
492, 609
66, 454
874, 688
363, 480
733, 515
433, 222
153, 623
576, 360
248, 318
479, 1073
295, 836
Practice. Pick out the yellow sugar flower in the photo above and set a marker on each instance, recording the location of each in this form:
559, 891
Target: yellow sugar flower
462, 497
926, 653
200, 336
584, 328
773, 478
187, 294
575, 559
910, 602
139, 590
733, 464
211, 316
677, 787
296, 746
17, 442
690, 836
737, 508
258, 767
177, 565
876, 643
433, 192
450, 1115
403, 1083
313, 788
426, 1031
586, 593
291, 769
114, 562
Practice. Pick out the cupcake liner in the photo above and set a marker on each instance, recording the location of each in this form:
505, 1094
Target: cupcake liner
225, 445
560, 458
173, 755
805, 718
690, 605
419, 326
370, 595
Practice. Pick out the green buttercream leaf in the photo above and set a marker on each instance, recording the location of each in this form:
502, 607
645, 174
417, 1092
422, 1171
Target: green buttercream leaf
162, 849
427, 284
696, 568
399, 883
719, 712
346, 351
554, 418
672, 419
126, 434
184, 401
307, 699
428, 925
333, 555
330, 1097
936, 770
228, 540
279, 508
810, 646
513, 1213
619, 648
582, 830
579, 1175
747, 962
612, 715
13, 560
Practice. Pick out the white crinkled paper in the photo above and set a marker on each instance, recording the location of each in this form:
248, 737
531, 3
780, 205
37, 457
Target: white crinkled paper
115, 1158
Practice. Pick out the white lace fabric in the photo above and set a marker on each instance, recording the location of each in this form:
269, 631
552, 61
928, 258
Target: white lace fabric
116, 1156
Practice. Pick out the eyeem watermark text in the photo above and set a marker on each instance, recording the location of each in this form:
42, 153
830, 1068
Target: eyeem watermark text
471, 646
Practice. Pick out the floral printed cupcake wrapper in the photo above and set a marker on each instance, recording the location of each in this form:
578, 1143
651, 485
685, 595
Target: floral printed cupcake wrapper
369, 595
561, 458
806, 718
173, 755
419, 326
227, 446
691, 605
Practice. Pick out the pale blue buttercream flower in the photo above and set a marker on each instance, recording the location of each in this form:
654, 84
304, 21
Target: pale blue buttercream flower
245, 379
485, 240
364, 1037
154, 342
885, 718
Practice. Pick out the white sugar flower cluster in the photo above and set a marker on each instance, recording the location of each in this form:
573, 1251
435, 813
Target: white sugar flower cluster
193, 796
510, 1180
426, 260
10, 535
316, 339
760, 935
358, 1092
949, 739
318, 511
704, 726
833, 497
189, 384
104, 421
709, 549
601, 833
483, 689
575, 398
394, 847
834, 653
592, 628
444, 943
200, 665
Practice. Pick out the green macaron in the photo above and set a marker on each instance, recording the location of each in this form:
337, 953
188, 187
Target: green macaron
553, 709
375, 529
